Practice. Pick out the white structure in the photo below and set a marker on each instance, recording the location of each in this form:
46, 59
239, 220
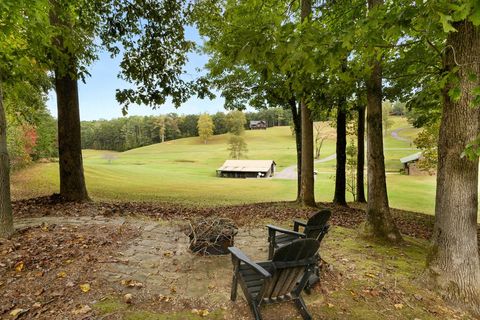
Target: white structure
247, 169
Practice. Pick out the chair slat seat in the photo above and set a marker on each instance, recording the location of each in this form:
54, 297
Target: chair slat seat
315, 228
253, 280
283, 239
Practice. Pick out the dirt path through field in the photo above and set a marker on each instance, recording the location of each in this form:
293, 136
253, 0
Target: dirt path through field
395, 134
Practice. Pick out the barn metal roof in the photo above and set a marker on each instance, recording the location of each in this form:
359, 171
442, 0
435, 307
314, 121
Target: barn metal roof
410, 158
247, 165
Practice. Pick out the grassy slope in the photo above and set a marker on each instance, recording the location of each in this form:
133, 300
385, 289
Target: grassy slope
184, 170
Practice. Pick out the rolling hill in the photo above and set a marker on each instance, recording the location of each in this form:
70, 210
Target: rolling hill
183, 170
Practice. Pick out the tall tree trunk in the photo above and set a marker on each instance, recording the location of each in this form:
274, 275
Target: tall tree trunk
297, 127
307, 194
307, 191
6, 216
453, 261
361, 155
72, 181
380, 223
341, 150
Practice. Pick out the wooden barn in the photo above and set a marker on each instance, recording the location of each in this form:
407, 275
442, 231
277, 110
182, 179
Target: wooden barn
247, 169
258, 125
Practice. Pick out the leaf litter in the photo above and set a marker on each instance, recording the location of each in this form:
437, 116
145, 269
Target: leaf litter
49, 272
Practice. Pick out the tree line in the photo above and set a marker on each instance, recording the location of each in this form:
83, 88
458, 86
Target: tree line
137, 131
304, 56
31, 130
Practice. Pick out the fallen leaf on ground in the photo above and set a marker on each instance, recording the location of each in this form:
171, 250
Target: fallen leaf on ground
128, 298
132, 283
85, 287
418, 296
398, 306
16, 312
62, 274
39, 292
20, 266
203, 313
163, 298
82, 310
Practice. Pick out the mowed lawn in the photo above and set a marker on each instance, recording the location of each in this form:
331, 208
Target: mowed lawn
184, 171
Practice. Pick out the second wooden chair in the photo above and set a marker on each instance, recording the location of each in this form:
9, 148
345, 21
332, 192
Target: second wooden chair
315, 228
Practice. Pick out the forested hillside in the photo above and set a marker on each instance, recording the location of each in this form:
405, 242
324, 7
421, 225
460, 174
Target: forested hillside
135, 131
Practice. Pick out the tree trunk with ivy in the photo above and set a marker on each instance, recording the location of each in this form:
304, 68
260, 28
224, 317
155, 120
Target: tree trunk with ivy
453, 260
6, 217
361, 155
380, 223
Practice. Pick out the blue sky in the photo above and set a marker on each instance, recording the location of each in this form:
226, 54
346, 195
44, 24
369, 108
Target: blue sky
97, 96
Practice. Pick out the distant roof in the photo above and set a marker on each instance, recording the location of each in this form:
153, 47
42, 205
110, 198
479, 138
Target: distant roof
412, 157
257, 121
247, 165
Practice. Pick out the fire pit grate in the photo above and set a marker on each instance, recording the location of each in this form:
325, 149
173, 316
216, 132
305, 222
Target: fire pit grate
211, 236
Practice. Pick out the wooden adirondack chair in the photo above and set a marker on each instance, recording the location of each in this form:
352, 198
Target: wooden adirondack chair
315, 228
281, 279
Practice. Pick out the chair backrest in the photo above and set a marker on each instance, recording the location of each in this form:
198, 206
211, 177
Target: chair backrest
289, 265
317, 225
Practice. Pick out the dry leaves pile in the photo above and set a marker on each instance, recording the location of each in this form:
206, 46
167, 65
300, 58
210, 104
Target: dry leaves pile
49, 271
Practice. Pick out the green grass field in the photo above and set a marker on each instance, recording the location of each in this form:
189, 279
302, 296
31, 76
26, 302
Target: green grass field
184, 171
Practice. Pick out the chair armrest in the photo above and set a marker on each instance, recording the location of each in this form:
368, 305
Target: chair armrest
323, 232
238, 254
297, 224
273, 229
